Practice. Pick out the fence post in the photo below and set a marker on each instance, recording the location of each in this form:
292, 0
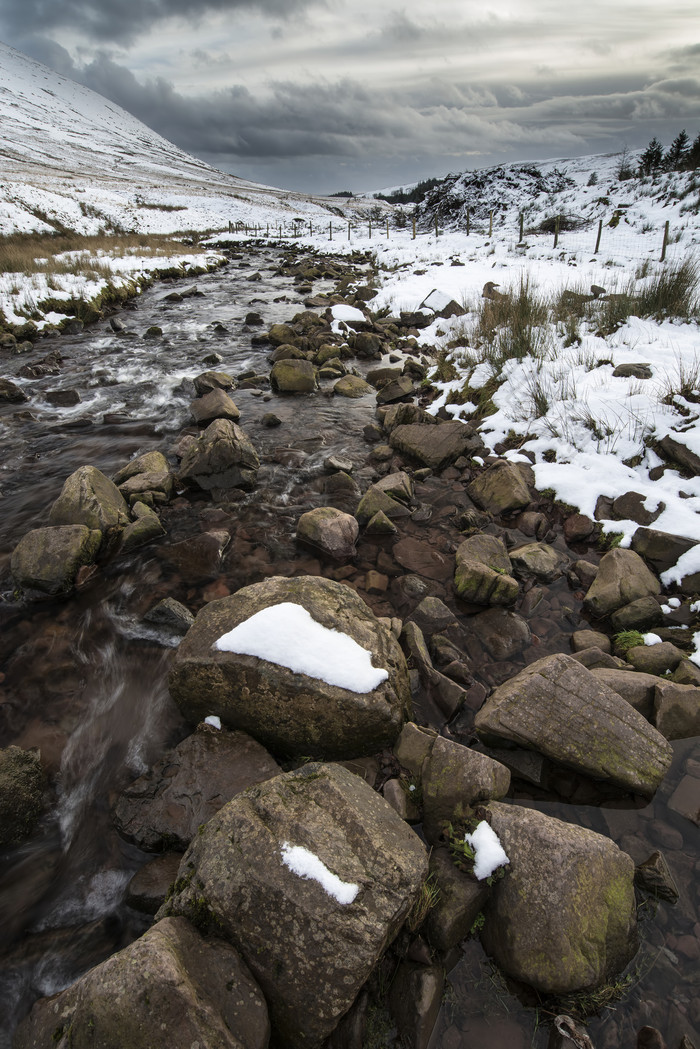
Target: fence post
490, 223
370, 229
600, 234
437, 230
468, 217
414, 229
520, 238
556, 230
387, 229
665, 243
348, 231
311, 230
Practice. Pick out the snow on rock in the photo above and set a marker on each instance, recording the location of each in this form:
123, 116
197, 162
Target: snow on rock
489, 854
307, 865
349, 314
287, 635
213, 720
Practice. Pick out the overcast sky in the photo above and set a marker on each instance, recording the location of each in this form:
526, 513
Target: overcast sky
323, 95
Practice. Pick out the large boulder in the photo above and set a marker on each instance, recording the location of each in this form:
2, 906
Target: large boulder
622, 578
222, 457
310, 875
483, 572
291, 376
291, 711
91, 499
454, 779
21, 790
48, 559
558, 708
563, 918
331, 531
164, 808
170, 988
435, 446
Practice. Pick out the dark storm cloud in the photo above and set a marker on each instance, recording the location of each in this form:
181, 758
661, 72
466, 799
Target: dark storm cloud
125, 21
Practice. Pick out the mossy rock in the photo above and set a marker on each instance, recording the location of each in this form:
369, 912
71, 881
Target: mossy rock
21, 788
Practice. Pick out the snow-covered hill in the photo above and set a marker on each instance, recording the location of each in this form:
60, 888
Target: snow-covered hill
69, 157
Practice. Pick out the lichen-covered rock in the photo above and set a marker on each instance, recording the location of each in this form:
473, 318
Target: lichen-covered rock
329, 530
500, 489
563, 918
208, 381
309, 951
169, 988
91, 499
222, 457
538, 561
291, 376
48, 559
164, 808
454, 779
292, 712
21, 788
559, 708
147, 473
375, 501
622, 578
482, 576
352, 386
435, 446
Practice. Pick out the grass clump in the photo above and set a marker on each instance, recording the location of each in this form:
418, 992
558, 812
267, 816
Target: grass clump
428, 898
512, 326
628, 639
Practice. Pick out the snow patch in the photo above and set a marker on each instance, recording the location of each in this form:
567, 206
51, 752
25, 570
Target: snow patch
489, 854
304, 863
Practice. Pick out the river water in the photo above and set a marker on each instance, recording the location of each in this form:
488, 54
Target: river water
85, 679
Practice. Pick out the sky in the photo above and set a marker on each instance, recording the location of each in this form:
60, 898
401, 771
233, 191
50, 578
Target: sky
324, 96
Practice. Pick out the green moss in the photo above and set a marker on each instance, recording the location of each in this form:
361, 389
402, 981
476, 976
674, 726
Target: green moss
628, 639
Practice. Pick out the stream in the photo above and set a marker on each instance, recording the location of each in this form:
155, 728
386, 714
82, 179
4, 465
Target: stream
85, 680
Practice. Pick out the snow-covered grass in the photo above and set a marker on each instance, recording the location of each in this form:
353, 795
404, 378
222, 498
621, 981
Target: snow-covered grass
287, 635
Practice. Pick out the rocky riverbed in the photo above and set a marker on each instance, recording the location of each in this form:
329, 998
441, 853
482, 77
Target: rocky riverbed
260, 441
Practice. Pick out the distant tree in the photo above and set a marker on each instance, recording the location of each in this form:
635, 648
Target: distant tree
624, 167
693, 158
678, 152
593, 180
652, 158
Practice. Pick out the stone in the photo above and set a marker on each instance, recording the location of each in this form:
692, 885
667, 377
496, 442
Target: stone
538, 561
679, 453
222, 457
407, 414
331, 531
461, 900
596, 659
48, 559
375, 500
654, 659
287, 352
563, 919
291, 712
413, 747
622, 578
415, 999
398, 485
685, 799
11, 393
147, 890
280, 334
380, 377
455, 779
63, 398
379, 524
581, 639
559, 708
631, 507
642, 614
208, 381
500, 489
164, 808
422, 558
352, 386
293, 377
171, 614
432, 615
660, 549
138, 533
21, 792
654, 877
637, 689
585, 572
502, 633
214, 405
577, 528
677, 710
91, 499
170, 987
270, 420
632, 371
147, 473
291, 931
482, 575
199, 557
435, 446
398, 390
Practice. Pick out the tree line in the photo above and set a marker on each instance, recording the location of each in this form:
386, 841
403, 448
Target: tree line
682, 155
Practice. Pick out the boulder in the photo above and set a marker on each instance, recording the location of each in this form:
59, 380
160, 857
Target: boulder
168, 988
415, 1000
557, 707
455, 779
222, 457
435, 446
637, 689
351, 386
502, 633
214, 405
292, 712
331, 531
310, 875
642, 614
147, 473
655, 659
21, 790
164, 808
291, 376
279, 334
538, 561
48, 559
171, 614
91, 499
500, 489
482, 576
405, 415
144, 530
375, 501
660, 549
398, 390
149, 887
563, 919
11, 393
460, 901
622, 578
208, 381
677, 710
398, 485
422, 558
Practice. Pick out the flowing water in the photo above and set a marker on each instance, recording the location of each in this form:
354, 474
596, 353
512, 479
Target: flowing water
85, 679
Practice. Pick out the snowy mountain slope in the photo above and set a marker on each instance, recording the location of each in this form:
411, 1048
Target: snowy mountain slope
70, 157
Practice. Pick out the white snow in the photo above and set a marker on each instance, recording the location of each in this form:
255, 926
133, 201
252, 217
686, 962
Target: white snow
213, 720
287, 635
349, 314
307, 865
489, 854
651, 639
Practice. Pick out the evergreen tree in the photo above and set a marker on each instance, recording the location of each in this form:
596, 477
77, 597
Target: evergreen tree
678, 152
693, 158
652, 157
